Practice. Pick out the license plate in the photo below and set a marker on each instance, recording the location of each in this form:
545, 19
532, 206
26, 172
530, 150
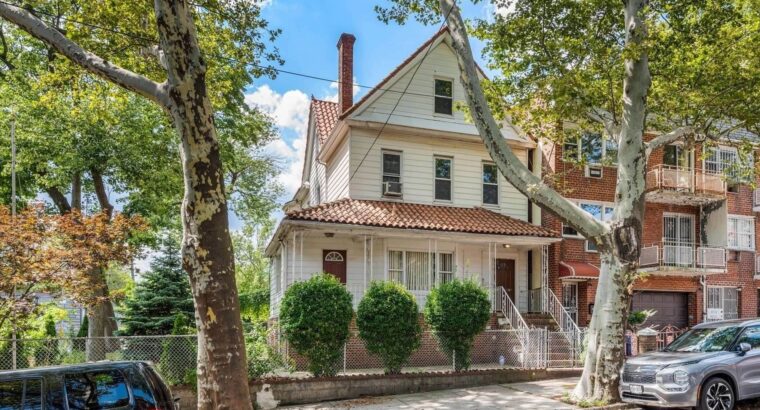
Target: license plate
637, 389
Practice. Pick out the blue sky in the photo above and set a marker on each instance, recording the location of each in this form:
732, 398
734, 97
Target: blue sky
310, 31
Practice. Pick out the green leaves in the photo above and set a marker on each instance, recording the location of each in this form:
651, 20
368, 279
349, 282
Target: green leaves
388, 322
457, 311
314, 317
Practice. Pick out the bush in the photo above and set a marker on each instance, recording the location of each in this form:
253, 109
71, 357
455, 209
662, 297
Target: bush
46, 353
457, 311
262, 358
388, 321
314, 317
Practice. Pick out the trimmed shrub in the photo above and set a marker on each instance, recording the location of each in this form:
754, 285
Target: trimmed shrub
457, 311
388, 322
314, 318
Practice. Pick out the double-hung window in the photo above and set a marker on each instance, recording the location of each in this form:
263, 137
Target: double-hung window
444, 96
391, 173
490, 184
420, 270
443, 167
591, 148
741, 232
600, 211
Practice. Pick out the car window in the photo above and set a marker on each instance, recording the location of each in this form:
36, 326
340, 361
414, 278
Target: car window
750, 335
704, 339
96, 390
21, 394
141, 391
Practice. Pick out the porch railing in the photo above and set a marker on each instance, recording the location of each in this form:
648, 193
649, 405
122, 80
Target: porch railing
668, 177
566, 323
503, 303
683, 255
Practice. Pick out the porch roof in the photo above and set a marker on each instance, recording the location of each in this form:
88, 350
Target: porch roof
401, 215
577, 271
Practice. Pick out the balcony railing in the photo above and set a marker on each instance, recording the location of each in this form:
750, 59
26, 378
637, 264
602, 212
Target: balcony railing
687, 183
684, 256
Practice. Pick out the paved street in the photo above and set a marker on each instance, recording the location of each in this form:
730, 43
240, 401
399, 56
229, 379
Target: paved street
542, 395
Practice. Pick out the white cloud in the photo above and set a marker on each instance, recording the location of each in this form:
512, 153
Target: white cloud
290, 112
334, 86
501, 8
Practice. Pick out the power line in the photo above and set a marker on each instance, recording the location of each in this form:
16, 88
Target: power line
374, 140
146, 41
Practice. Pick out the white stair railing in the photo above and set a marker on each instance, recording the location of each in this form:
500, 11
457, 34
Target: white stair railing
503, 303
566, 323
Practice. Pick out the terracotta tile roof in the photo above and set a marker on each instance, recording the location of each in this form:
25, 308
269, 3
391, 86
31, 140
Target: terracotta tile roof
325, 117
418, 216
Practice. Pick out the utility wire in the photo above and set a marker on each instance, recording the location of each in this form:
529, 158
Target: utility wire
149, 42
374, 140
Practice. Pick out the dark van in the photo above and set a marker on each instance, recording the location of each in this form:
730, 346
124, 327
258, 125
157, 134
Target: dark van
101, 385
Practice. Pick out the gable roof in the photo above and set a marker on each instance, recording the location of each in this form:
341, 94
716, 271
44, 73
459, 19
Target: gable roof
395, 71
325, 117
419, 216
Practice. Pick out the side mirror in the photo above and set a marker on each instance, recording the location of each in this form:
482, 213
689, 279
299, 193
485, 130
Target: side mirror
744, 348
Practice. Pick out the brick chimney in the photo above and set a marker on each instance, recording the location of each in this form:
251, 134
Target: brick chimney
346, 71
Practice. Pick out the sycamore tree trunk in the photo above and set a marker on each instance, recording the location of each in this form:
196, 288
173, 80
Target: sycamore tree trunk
206, 246
619, 241
206, 243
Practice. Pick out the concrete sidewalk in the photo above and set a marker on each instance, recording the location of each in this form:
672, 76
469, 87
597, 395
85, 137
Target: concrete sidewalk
540, 395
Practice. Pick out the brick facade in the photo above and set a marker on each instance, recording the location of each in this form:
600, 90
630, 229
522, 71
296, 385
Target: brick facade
571, 180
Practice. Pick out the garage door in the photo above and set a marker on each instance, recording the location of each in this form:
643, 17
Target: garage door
672, 308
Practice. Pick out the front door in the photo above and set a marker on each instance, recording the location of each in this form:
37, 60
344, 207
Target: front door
505, 276
570, 300
334, 263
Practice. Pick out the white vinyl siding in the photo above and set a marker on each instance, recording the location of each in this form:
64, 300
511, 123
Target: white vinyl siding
337, 173
741, 233
418, 173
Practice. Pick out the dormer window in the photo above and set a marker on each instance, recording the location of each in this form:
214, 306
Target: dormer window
444, 97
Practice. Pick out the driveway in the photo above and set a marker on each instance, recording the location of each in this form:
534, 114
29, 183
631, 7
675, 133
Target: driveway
541, 395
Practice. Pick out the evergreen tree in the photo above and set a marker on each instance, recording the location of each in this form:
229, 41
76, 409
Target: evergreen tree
163, 293
79, 342
46, 353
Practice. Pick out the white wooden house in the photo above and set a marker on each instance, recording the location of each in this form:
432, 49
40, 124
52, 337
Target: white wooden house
413, 196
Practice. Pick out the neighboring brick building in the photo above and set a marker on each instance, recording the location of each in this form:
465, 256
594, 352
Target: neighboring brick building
699, 239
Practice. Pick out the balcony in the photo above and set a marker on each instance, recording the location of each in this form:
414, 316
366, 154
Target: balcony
678, 258
683, 186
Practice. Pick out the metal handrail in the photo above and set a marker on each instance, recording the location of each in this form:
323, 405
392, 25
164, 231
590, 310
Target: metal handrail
682, 255
566, 323
684, 179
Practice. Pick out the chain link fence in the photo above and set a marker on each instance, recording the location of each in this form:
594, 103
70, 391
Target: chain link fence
175, 356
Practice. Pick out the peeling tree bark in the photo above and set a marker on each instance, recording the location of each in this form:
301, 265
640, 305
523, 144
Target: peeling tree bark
207, 247
619, 242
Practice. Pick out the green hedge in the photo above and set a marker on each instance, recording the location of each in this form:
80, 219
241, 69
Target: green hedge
314, 317
456, 312
388, 322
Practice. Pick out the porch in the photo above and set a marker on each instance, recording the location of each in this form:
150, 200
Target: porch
513, 270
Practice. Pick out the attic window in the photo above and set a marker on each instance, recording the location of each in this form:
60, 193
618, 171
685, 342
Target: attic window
444, 97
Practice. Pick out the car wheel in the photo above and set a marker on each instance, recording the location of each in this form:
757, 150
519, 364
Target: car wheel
717, 394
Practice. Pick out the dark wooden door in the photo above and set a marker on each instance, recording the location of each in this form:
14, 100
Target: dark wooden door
505, 276
334, 263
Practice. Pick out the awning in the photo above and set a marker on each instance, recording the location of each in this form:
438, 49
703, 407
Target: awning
577, 271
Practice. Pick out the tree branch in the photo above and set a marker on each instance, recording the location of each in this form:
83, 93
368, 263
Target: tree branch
89, 61
665, 139
508, 164
101, 193
59, 199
